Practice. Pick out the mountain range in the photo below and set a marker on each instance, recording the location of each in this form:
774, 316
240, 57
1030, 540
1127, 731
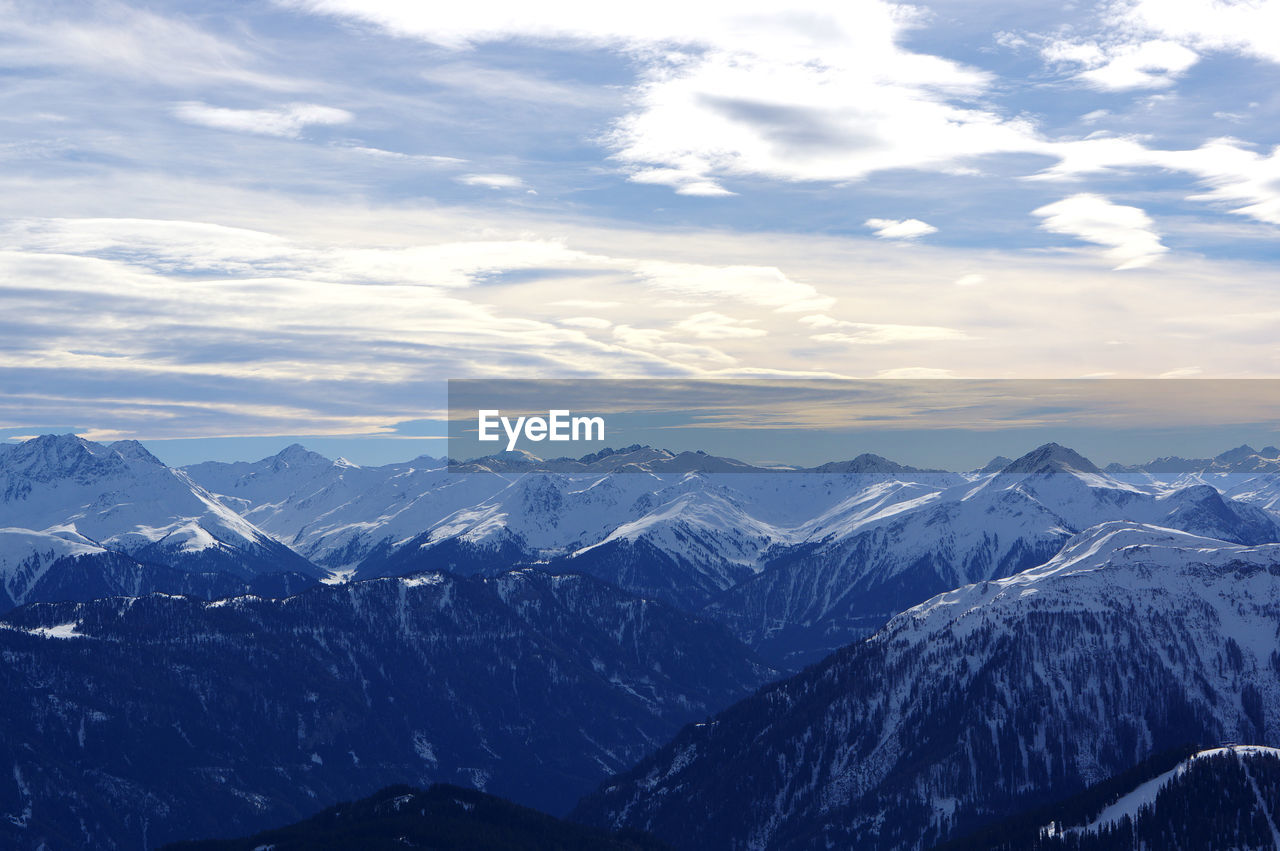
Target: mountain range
132, 721
220, 649
989, 699
797, 562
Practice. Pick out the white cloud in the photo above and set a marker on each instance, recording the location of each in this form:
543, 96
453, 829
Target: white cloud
760, 285
908, 372
832, 330
585, 304
828, 92
115, 40
1150, 43
815, 91
1246, 26
1232, 172
592, 322
1087, 53
428, 159
1148, 65
710, 325
132, 335
493, 181
286, 121
656, 341
205, 248
1127, 232
1151, 64
900, 228
970, 279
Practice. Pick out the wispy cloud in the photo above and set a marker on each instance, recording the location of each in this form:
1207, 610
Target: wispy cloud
831, 330
1153, 64
903, 229
287, 121
493, 181
118, 40
759, 285
1127, 232
710, 325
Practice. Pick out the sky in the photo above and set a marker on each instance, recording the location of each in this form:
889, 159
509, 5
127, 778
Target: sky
224, 226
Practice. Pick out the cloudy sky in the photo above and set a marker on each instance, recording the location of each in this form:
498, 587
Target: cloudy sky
233, 220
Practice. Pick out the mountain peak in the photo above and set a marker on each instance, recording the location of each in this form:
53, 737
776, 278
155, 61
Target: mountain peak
132, 450
995, 465
51, 456
1052, 458
295, 454
867, 462
1240, 453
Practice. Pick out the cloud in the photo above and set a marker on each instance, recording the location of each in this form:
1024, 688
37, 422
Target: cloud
397, 156
585, 304
762, 285
286, 121
115, 40
1247, 27
657, 341
910, 372
1136, 65
1144, 44
710, 325
1127, 232
592, 322
830, 93
1182, 372
970, 280
833, 330
205, 248
165, 328
900, 228
493, 181
1149, 65
815, 91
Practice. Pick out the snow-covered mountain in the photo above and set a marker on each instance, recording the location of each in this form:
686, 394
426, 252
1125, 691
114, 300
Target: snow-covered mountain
1222, 797
852, 575
65, 502
983, 701
1243, 459
1241, 814
675, 526
1244, 473
797, 561
336, 513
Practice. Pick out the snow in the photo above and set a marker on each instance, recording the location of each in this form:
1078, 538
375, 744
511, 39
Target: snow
62, 630
422, 579
1130, 804
59, 541
110, 498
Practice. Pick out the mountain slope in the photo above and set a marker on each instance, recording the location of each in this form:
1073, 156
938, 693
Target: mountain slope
62, 496
818, 597
336, 513
443, 818
158, 718
676, 527
981, 702
1222, 797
